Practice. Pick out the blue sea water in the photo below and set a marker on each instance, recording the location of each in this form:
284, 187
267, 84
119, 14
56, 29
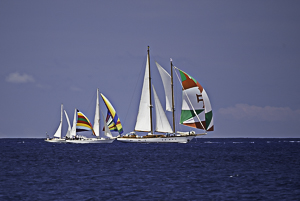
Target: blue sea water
204, 169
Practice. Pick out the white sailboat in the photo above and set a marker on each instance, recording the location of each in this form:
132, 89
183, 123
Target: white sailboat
106, 137
57, 138
196, 110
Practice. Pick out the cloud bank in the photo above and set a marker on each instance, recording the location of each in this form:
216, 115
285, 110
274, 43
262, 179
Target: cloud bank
19, 78
267, 113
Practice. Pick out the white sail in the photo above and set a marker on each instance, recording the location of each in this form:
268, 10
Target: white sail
143, 122
162, 123
166, 78
107, 132
73, 131
58, 131
96, 126
69, 128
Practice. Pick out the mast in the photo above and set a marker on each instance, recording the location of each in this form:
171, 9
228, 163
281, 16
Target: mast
172, 86
148, 55
99, 122
61, 119
144, 117
58, 131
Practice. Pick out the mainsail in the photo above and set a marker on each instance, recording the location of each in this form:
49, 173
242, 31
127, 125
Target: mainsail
96, 126
83, 123
143, 121
114, 122
58, 131
194, 102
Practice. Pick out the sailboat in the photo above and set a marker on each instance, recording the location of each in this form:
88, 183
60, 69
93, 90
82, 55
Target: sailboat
83, 124
57, 135
196, 110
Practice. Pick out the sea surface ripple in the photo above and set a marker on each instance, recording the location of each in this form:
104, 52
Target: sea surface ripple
204, 169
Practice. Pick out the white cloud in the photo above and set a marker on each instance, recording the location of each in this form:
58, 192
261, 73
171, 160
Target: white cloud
267, 113
19, 78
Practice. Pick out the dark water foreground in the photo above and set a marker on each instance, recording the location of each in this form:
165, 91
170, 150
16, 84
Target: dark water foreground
205, 169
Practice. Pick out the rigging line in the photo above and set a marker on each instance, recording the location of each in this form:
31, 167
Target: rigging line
134, 91
89, 106
189, 100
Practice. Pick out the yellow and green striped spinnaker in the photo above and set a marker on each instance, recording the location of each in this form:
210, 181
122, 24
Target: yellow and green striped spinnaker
115, 124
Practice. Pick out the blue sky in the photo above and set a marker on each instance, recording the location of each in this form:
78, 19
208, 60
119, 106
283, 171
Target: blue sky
244, 53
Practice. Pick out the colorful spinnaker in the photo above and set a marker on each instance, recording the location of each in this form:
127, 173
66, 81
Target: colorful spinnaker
196, 109
83, 123
112, 119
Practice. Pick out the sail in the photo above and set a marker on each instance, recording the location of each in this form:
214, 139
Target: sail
115, 124
69, 128
162, 123
143, 121
83, 123
106, 129
196, 109
58, 131
97, 117
110, 123
166, 78
73, 130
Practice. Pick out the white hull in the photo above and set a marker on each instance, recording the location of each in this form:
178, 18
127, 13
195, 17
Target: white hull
90, 141
175, 139
55, 140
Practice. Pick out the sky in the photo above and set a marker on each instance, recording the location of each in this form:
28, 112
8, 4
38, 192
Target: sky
246, 54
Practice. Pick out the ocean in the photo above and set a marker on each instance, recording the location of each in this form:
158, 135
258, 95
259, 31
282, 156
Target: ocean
204, 169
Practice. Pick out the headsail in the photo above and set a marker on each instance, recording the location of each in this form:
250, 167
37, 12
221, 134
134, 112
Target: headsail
194, 102
115, 123
166, 79
58, 131
106, 129
69, 125
162, 123
83, 123
73, 130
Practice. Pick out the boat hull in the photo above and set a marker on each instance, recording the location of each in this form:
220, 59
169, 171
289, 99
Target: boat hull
53, 140
90, 141
174, 139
